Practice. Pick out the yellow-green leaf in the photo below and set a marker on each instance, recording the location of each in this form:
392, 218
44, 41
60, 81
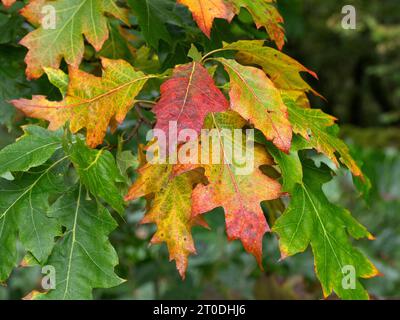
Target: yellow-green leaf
91, 102
61, 27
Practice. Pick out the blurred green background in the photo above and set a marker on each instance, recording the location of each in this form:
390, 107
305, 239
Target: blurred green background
359, 73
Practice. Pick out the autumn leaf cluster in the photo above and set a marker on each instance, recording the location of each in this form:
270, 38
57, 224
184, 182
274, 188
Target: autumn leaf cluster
242, 85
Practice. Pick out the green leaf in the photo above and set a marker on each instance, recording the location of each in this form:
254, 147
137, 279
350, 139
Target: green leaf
289, 164
152, 16
117, 46
98, 171
12, 81
319, 129
11, 24
33, 149
195, 54
24, 205
74, 19
312, 220
83, 257
58, 78
265, 14
8, 236
125, 161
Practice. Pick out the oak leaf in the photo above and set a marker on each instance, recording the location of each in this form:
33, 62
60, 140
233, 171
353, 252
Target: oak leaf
284, 71
48, 44
312, 220
205, 11
265, 14
239, 193
169, 207
152, 178
187, 98
91, 102
98, 172
255, 98
171, 211
320, 131
24, 204
33, 149
289, 164
83, 257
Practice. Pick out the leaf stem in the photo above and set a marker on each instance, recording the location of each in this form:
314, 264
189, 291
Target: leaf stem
146, 102
143, 118
203, 60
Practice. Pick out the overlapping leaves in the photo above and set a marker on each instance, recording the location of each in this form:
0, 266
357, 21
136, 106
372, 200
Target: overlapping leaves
71, 233
312, 220
91, 102
254, 97
264, 12
186, 99
239, 194
55, 198
260, 100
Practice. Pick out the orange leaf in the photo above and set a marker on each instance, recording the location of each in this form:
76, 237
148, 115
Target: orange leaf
169, 200
91, 102
205, 11
239, 194
265, 14
8, 3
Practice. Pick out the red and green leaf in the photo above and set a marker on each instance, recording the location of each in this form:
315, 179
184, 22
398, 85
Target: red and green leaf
187, 98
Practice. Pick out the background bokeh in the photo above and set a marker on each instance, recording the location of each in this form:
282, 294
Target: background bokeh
359, 75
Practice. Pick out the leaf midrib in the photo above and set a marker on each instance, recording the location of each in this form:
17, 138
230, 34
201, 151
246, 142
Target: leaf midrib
73, 231
326, 234
29, 189
30, 152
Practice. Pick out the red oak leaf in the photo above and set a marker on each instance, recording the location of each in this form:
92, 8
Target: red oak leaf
186, 99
